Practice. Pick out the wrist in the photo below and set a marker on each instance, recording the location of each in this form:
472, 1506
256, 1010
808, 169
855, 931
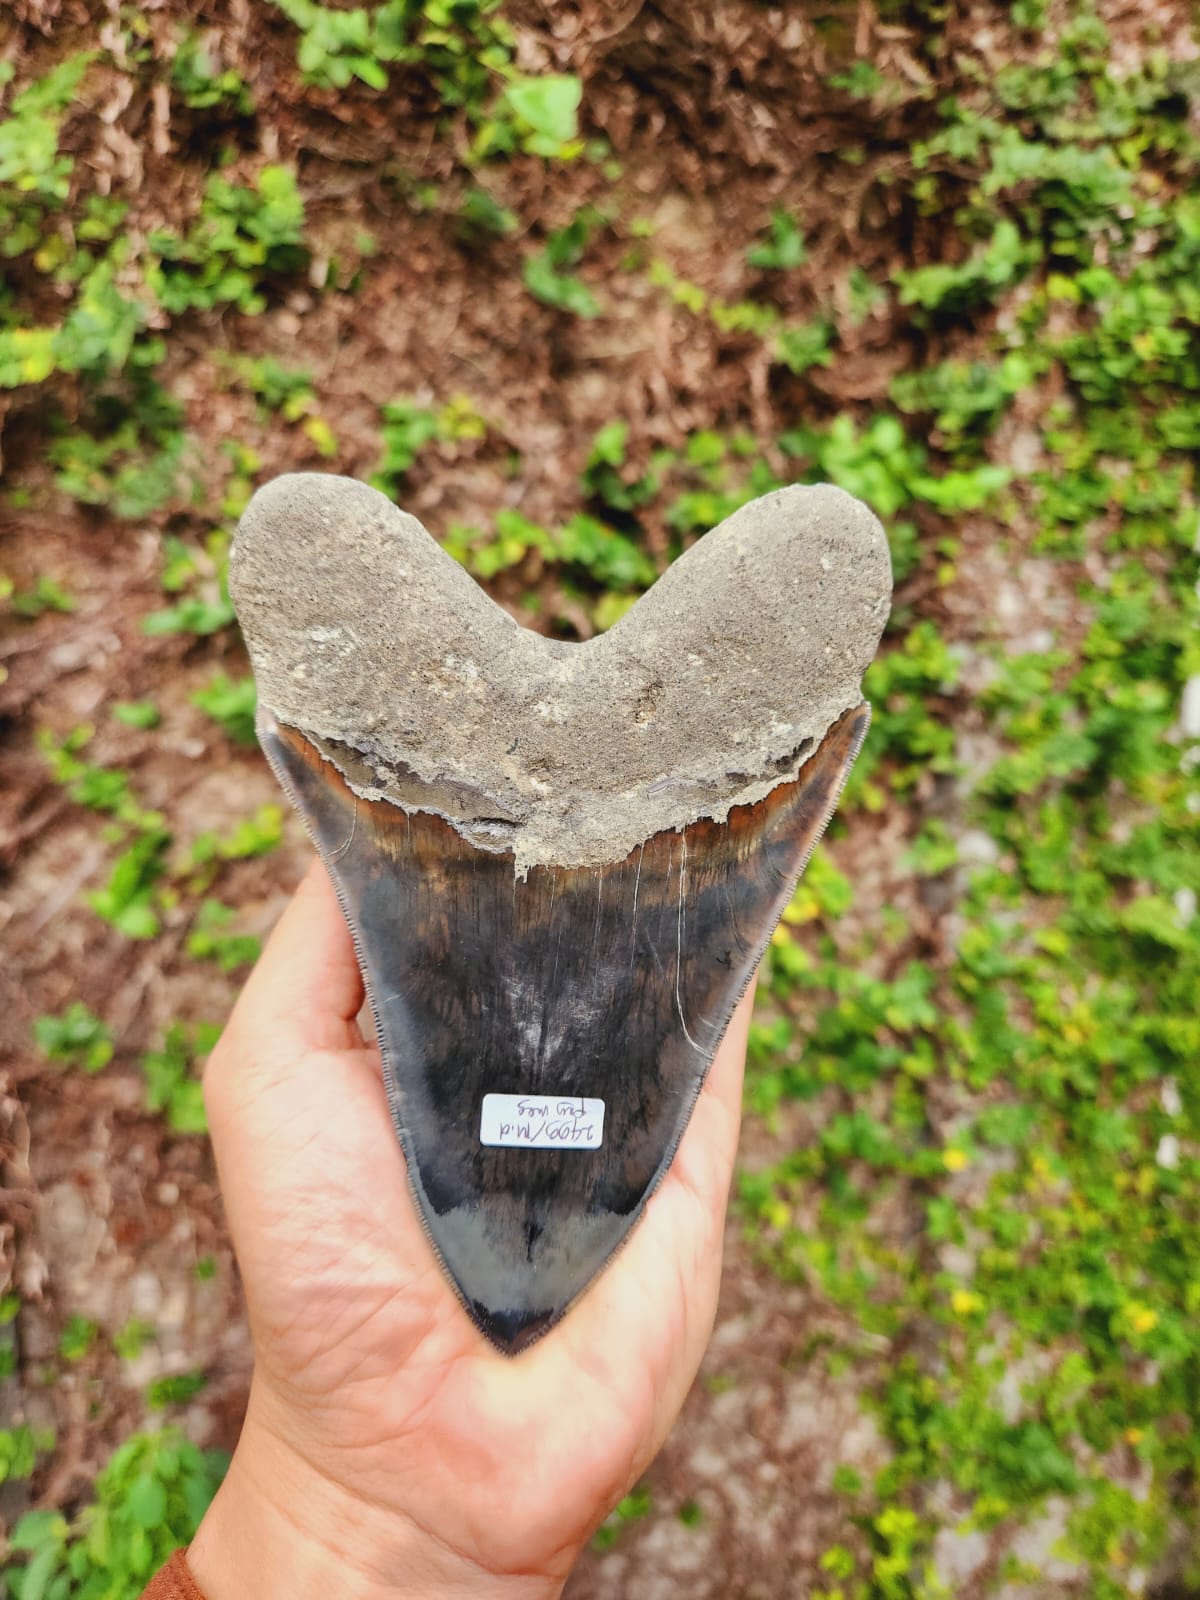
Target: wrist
279, 1529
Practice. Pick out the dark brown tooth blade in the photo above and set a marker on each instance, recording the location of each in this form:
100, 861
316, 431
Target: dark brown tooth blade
611, 984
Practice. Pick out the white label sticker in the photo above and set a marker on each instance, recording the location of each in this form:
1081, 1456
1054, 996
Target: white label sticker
542, 1121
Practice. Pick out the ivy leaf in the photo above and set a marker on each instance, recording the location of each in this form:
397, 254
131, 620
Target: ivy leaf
37, 1575
36, 1529
783, 247
562, 290
1155, 918
550, 108
147, 1501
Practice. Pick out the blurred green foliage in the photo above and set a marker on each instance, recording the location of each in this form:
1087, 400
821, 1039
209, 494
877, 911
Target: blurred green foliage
231, 703
75, 1037
547, 275
463, 47
212, 938
149, 1500
171, 1086
243, 234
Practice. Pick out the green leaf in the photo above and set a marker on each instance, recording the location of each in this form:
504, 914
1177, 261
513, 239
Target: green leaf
76, 1037
558, 289
609, 444
1153, 917
783, 247
549, 106
36, 1529
77, 1338
36, 1578
231, 703
479, 211
146, 1501
805, 345
137, 713
174, 1390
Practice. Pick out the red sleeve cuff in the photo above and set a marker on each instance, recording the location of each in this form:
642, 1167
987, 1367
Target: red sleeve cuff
174, 1582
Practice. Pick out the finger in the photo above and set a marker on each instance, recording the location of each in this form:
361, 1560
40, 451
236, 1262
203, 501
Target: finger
307, 987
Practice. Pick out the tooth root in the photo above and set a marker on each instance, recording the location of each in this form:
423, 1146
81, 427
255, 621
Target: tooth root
613, 984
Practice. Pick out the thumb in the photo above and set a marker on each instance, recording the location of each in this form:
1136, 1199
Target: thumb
307, 988
291, 1064
307, 1158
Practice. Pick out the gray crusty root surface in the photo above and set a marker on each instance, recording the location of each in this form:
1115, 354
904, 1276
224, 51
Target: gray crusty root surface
708, 693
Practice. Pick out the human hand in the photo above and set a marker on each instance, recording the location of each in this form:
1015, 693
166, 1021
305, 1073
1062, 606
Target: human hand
388, 1449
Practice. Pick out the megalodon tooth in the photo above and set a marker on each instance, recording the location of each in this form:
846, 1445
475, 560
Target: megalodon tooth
560, 863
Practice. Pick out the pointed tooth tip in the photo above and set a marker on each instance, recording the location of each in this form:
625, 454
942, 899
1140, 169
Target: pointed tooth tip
512, 1331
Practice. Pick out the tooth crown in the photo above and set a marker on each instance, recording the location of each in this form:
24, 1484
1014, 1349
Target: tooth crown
709, 692
605, 987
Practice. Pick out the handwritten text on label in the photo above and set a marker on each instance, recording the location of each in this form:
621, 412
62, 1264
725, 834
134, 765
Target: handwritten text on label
542, 1121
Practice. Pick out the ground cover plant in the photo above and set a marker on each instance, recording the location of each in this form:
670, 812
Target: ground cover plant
572, 289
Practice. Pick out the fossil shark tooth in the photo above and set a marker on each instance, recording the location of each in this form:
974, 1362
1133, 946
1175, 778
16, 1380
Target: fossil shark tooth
570, 1016
560, 863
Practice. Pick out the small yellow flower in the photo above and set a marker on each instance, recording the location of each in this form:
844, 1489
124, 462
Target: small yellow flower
965, 1302
1134, 1435
1142, 1319
954, 1160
